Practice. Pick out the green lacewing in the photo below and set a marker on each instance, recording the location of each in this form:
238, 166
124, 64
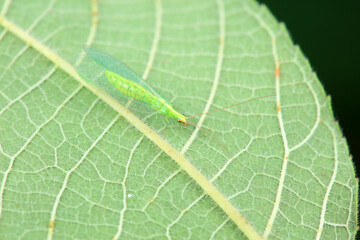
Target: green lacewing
118, 80
115, 78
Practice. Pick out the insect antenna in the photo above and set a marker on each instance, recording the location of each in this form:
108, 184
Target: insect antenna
211, 136
273, 95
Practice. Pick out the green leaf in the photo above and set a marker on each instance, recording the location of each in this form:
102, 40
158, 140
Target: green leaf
75, 164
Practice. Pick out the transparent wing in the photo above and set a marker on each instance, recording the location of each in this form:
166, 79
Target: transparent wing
112, 64
91, 64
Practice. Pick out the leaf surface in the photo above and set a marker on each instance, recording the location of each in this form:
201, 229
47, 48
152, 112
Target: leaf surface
75, 163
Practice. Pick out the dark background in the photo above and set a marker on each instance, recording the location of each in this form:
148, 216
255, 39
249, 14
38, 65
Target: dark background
328, 33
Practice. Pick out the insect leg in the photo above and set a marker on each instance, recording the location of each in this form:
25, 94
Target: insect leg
167, 122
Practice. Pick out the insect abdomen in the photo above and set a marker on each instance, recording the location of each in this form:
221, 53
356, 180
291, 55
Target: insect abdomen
132, 89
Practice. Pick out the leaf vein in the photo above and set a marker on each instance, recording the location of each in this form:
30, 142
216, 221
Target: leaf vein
67, 177
329, 187
276, 207
7, 172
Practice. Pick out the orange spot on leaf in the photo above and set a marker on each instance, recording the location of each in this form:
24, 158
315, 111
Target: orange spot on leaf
278, 108
51, 225
277, 71
151, 200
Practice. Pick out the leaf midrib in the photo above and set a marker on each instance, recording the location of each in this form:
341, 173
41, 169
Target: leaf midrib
184, 163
